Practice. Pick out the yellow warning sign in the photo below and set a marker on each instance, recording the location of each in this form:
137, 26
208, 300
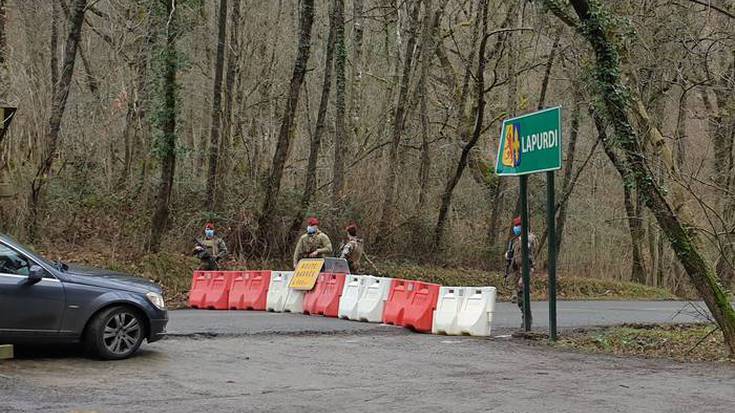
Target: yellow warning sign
306, 274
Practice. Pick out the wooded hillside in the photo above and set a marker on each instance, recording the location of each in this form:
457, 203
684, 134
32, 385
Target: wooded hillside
140, 120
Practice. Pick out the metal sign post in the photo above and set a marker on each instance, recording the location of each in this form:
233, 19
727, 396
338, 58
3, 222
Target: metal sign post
525, 265
551, 239
529, 144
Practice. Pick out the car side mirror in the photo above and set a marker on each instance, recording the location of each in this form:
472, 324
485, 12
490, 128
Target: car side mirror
35, 274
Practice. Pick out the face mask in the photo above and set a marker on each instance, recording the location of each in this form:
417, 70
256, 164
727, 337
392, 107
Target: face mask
517, 230
311, 230
209, 233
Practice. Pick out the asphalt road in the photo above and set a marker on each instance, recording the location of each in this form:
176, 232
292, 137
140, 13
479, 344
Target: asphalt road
254, 361
507, 317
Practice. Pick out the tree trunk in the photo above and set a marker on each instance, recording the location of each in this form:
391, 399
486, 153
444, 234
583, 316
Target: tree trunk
635, 225
561, 207
607, 73
58, 105
389, 186
233, 55
214, 136
497, 185
4, 81
358, 33
166, 122
427, 46
722, 133
561, 218
339, 121
316, 137
547, 70
142, 142
681, 129
54, 47
272, 184
3, 37
479, 116
134, 134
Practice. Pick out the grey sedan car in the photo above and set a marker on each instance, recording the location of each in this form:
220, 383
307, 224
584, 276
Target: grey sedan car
49, 301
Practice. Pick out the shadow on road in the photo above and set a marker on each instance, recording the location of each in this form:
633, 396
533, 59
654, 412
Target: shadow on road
69, 352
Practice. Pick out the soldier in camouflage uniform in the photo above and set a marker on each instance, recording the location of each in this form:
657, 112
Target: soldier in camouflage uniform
313, 244
515, 257
352, 249
210, 250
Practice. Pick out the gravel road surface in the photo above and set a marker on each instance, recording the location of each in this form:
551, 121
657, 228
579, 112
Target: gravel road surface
248, 361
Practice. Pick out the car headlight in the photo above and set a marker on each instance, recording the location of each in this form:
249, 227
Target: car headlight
156, 299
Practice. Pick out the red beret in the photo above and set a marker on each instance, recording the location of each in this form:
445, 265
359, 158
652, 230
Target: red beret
209, 226
516, 221
313, 221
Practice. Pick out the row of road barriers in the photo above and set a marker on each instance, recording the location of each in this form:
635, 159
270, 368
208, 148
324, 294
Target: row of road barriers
420, 306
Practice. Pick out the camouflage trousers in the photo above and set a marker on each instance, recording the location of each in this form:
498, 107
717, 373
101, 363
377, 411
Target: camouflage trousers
517, 285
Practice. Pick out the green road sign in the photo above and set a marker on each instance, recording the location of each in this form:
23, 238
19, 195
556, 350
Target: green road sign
530, 143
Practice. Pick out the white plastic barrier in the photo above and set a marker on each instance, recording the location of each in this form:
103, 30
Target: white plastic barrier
464, 310
351, 293
447, 310
372, 300
294, 301
476, 314
278, 291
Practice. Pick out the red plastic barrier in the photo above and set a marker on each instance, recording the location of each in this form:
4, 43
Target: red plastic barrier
218, 293
420, 312
323, 299
311, 296
328, 302
249, 290
399, 298
200, 283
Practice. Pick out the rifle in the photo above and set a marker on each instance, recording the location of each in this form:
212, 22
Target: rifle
508, 262
201, 252
338, 251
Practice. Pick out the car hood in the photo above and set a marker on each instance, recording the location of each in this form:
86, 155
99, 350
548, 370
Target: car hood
109, 279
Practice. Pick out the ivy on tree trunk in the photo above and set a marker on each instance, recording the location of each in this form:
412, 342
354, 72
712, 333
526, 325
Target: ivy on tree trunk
615, 101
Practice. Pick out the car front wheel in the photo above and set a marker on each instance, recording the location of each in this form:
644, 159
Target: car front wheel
115, 333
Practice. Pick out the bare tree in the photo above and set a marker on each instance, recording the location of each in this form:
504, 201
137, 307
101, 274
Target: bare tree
358, 34
166, 123
58, 105
4, 81
477, 131
233, 55
316, 137
389, 187
272, 185
426, 53
216, 121
339, 121
54, 45
607, 73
